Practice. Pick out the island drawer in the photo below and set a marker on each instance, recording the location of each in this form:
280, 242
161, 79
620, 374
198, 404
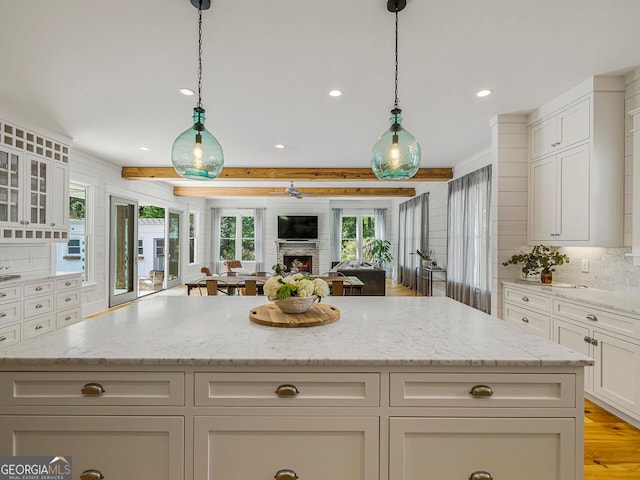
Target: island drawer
527, 300
482, 390
10, 335
38, 326
68, 283
10, 312
594, 317
287, 389
10, 293
91, 388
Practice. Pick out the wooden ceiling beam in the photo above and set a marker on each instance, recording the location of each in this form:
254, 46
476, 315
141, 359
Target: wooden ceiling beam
288, 174
275, 192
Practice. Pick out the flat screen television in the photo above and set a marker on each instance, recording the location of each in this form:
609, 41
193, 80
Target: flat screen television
297, 227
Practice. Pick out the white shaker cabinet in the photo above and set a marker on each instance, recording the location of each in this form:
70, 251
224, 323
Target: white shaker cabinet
576, 170
560, 131
34, 187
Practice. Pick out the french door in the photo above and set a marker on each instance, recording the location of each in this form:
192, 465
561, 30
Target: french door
173, 248
123, 269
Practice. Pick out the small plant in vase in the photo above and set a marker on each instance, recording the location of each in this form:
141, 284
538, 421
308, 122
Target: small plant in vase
540, 260
295, 293
279, 268
427, 261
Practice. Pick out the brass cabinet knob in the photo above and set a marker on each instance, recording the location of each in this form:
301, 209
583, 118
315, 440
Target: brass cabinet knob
93, 389
480, 475
287, 390
91, 474
478, 391
285, 474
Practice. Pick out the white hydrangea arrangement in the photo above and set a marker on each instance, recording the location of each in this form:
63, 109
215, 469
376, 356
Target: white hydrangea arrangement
297, 285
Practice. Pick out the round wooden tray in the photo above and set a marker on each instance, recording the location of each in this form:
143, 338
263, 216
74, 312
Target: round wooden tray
272, 316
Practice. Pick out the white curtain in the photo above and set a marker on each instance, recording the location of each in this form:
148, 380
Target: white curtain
380, 223
215, 240
336, 244
469, 240
260, 235
413, 234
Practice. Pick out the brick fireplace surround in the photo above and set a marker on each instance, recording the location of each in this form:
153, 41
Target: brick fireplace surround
298, 248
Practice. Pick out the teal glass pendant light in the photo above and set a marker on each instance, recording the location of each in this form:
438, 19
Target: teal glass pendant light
196, 154
396, 154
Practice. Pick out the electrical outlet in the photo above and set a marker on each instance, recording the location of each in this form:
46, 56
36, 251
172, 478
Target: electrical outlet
585, 266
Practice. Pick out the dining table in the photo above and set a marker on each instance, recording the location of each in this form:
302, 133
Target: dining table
230, 284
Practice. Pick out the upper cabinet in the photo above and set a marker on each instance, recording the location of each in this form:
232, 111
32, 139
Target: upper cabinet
561, 131
34, 187
576, 167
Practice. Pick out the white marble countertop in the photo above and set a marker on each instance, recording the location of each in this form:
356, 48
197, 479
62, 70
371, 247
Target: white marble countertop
591, 296
216, 330
31, 277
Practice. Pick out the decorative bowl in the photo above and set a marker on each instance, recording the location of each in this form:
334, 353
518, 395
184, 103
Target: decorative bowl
295, 304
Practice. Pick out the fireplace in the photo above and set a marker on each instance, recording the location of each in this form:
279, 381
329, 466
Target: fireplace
305, 262
305, 251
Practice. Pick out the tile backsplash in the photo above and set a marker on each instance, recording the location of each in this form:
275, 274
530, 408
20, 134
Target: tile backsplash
609, 269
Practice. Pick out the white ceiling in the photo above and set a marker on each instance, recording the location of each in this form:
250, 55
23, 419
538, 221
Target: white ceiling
107, 73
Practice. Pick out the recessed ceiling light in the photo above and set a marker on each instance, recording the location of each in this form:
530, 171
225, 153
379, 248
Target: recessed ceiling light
187, 91
484, 93
145, 149
335, 93
280, 146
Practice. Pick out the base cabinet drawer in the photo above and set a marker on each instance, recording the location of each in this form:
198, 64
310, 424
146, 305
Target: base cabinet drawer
91, 388
467, 448
38, 306
482, 390
595, 318
10, 335
38, 326
286, 448
528, 321
527, 299
10, 312
68, 317
144, 448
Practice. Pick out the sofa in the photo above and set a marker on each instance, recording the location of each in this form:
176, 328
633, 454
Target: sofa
373, 278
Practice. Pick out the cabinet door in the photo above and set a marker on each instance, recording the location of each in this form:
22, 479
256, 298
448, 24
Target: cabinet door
38, 176
573, 125
573, 337
312, 448
542, 200
617, 376
542, 138
505, 448
59, 197
11, 201
574, 193
144, 448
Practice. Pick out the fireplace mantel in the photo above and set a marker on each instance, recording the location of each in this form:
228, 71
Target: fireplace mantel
299, 247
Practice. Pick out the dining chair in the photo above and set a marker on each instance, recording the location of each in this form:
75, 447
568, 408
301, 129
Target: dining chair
250, 288
337, 288
212, 287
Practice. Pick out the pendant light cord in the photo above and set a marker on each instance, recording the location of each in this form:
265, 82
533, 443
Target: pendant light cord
395, 104
200, 55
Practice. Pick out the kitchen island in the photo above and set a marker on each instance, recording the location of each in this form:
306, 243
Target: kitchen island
398, 388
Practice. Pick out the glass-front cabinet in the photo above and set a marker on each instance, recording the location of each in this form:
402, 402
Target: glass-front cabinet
33, 192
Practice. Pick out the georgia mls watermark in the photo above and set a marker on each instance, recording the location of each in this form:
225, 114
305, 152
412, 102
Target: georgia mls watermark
35, 468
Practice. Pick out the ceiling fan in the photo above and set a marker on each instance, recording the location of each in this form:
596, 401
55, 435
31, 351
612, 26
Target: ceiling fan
293, 192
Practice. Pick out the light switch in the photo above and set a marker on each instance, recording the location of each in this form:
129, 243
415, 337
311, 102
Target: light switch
585, 266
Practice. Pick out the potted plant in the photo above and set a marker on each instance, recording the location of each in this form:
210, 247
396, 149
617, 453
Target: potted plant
540, 260
378, 251
427, 261
279, 268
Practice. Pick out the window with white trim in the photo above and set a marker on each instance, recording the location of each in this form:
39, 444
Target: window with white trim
72, 257
356, 231
237, 237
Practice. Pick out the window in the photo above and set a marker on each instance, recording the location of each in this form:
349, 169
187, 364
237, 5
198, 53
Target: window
356, 230
193, 237
140, 247
72, 256
237, 237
